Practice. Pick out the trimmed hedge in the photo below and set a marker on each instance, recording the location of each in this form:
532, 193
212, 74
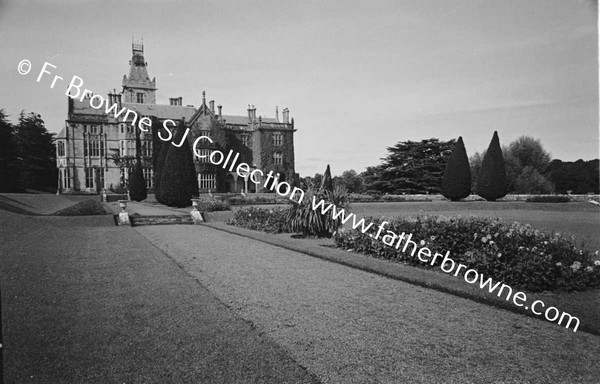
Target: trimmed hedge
261, 219
548, 199
515, 254
213, 205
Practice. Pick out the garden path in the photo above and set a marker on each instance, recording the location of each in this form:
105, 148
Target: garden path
351, 326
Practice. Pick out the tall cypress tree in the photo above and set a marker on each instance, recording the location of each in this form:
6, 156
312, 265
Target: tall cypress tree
178, 181
491, 180
137, 184
9, 172
160, 162
456, 182
327, 182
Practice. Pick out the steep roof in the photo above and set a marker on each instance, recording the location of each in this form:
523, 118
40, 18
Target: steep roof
162, 111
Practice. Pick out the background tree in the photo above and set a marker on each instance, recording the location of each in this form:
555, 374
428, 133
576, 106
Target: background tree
9, 172
531, 181
456, 182
475, 165
178, 181
137, 184
36, 153
577, 177
410, 167
350, 180
491, 180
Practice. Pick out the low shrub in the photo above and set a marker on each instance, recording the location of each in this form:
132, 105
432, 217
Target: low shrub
213, 205
396, 198
118, 189
361, 198
251, 200
302, 218
548, 199
514, 254
261, 219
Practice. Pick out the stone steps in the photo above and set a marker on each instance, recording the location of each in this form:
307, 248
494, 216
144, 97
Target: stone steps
137, 221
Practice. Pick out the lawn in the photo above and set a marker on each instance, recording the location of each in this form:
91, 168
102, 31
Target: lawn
578, 219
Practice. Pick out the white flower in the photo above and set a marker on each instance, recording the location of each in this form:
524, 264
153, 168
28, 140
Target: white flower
432, 238
489, 236
491, 242
422, 242
589, 268
499, 254
597, 262
484, 239
575, 266
559, 264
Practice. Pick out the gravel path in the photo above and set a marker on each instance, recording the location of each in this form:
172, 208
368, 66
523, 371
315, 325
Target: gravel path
350, 326
84, 301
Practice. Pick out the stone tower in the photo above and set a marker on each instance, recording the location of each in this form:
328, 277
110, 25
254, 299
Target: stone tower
137, 87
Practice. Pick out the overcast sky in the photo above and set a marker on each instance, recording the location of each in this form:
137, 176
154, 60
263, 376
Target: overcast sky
357, 76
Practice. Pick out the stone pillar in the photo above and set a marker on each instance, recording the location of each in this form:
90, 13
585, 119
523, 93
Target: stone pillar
196, 214
123, 215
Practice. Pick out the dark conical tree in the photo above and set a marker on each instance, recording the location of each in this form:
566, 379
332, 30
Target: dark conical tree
137, 184
9, 171
456, 182
160, 162
178, 181
327, 182
491, 179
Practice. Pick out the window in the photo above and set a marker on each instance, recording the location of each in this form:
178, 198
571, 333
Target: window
127, 148
60, 148
277, 158
245, 140
204, 152
89, 177
122, 126
130, 128
147, 149
100, 177
205, 133
206, 181
148, 177
65, 178
140, 98
94, 148
277, 138
93, 130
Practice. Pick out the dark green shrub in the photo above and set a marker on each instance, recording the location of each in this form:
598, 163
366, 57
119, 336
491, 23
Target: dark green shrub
178, 181
160, 162
548, 199
393, 198
491, 179
456, 182
261, 219
137, 184
515, 254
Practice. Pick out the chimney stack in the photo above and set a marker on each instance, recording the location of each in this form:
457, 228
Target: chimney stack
171, 101
118, 100
277, 114
180, 99
220, 106
286, 115
212, 106
249, 113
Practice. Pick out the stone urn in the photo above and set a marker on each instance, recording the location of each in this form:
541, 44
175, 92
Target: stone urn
196, 214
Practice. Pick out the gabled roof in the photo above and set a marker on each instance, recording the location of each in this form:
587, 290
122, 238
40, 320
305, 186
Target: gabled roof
162, 111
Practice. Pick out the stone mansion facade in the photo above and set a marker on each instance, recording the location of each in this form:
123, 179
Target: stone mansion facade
96, 151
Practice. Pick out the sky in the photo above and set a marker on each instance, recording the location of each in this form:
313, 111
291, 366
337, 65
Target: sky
357, 76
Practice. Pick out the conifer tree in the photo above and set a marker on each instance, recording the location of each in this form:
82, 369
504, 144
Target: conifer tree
491, 179
178, 181
456, 182
9, 172
160, 162
327, 182
137, 184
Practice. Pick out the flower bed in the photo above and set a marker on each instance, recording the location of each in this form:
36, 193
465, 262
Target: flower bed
213, 205
256, 200
261, 219
514, 254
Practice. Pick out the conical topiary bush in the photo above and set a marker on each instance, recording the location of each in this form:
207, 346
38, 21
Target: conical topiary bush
456, 182
491, 180
178, 181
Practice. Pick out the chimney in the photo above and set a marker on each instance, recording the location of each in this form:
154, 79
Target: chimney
110, 99
286, 115
249, 113
220, 106
171, 101
118, 100
212, 106
277, 114
253, 113
180, 99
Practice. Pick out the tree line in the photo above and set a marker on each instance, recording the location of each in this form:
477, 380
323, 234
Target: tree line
418, 167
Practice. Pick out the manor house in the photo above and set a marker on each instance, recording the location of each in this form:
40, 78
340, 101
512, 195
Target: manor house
96, 151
